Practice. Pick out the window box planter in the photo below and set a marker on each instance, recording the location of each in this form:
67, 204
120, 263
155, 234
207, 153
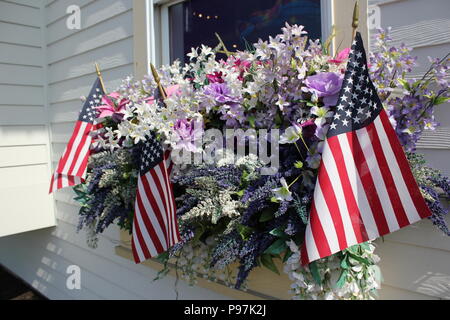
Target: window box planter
262, 283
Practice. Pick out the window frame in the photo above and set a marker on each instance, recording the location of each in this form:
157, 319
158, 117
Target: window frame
151, 26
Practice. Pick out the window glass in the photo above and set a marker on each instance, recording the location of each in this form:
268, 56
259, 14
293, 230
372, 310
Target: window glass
194, 22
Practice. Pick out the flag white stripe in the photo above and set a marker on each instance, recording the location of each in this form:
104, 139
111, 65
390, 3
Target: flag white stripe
333, 173
311, 248
82, 155
74, 147
144, 232
325, 219
357, 188
137, 246
372, 164
400, 183
149, 210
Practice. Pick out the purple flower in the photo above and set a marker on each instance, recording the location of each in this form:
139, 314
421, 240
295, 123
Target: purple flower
220, 92
308, 129
187, 131
326, 85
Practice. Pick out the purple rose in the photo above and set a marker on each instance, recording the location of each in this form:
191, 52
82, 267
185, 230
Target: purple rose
326, 85
220, 92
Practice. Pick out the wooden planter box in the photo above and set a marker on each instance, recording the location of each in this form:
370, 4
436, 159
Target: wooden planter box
262, 283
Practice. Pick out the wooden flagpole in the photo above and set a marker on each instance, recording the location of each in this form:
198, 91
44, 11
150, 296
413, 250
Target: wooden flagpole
158, 82
99, 74
355, 20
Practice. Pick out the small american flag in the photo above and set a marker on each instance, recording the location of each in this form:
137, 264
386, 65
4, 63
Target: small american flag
72, 166
365, 188
155, 227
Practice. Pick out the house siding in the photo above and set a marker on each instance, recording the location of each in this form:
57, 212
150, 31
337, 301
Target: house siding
415, 260
66, 59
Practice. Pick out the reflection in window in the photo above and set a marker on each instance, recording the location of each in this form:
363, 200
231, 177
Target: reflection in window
238, 22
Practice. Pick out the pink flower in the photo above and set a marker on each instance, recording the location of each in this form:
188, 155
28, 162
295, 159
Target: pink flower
239, 65
216, 77
112, 105
169, 91
341, 56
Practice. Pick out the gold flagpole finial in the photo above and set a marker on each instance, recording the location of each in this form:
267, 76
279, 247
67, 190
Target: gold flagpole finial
355, 20
99, 74
158, 81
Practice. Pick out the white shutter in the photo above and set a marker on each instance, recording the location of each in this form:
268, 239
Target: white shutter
24, 140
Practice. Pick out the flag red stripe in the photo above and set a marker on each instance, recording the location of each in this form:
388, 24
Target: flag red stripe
156, 212
80, 146
168, 202
385, 170
63, 160
148, 225
331, 202
354, 213
160, 214
134, 251
320, 238
51, 184
304, 255
368, 184
410, 181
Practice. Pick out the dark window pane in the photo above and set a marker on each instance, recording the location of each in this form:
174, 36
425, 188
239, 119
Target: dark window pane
194, 22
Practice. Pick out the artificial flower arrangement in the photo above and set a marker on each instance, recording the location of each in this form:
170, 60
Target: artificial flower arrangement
229, 212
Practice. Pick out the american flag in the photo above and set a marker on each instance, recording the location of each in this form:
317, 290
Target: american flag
155, 227
72, 166
365, 188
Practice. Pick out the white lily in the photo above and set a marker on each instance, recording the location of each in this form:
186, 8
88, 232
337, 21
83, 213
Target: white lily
291, 135
283, 193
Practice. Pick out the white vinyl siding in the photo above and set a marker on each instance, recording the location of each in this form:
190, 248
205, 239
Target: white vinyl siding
415, 260
41, 257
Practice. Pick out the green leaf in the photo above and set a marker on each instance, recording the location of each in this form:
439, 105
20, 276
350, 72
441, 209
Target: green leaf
342, 279
440, 100
298, 164
266, 215
251, 119
277, 247
405, 84
360, 259
344, 263
315, 272
267, 261
244, 231
288, 254
278, 232
274, 200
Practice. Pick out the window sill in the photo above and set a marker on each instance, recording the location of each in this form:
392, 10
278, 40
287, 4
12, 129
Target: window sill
263, 284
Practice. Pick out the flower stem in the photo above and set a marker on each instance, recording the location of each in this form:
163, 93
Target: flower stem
295, 180
303, 140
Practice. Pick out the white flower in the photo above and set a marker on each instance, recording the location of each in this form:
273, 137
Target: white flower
193, 54
282, 193
291, 135
281, 103
321, 113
